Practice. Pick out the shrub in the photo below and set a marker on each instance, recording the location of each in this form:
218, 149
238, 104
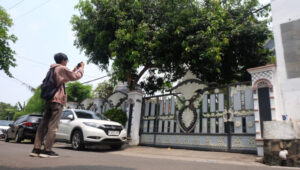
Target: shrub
117, 115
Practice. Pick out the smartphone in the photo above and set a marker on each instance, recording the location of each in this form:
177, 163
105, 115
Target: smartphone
78, 65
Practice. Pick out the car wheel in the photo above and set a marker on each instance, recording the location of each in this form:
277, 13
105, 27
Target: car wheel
77, 140
18, 138
116, 147
6, 138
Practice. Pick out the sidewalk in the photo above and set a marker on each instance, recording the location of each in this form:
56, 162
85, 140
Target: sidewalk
196, 156
189, 155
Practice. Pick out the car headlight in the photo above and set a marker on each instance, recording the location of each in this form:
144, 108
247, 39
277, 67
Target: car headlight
3, 131
93, 124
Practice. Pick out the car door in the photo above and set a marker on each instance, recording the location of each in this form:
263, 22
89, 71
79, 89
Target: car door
66, 125
59, 133
15, 127
10, 131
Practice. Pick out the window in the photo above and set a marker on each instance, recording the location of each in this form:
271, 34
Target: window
21, 119
34, 118
66, 113
86, 115
89, 115
5, 123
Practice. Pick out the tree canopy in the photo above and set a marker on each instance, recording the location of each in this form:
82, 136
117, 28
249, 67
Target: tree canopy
7, 59
7, 111
216, 39
77, 92
104, 89
35, 104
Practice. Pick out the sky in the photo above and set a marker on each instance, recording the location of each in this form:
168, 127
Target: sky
41, 33
43, 28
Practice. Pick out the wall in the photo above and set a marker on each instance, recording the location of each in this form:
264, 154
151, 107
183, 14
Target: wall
284, 12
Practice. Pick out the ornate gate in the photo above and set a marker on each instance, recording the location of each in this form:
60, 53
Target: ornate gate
195, 115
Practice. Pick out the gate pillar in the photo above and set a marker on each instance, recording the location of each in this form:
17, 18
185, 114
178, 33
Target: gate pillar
135, 108
265, 92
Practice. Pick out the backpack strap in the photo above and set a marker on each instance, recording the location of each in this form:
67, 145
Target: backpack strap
63, 84
64, 88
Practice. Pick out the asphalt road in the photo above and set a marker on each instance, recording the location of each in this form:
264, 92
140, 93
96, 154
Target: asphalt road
15, 156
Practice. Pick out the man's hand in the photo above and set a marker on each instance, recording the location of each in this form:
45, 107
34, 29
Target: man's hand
82, 65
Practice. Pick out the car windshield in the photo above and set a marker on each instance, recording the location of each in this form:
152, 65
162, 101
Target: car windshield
89, 115
5, 122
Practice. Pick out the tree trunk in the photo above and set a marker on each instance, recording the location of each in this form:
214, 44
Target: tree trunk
132, 79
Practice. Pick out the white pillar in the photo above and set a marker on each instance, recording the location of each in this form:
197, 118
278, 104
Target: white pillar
264, 76
135, 97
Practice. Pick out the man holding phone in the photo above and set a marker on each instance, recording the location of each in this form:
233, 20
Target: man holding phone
53, 108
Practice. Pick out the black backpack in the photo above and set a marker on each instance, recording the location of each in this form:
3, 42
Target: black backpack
48, 86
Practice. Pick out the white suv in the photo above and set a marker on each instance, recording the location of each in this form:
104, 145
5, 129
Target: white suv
82, 127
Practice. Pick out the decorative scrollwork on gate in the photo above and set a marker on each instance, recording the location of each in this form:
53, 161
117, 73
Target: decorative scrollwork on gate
190, 89
116, 99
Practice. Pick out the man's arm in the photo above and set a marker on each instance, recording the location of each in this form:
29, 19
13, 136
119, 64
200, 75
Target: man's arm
69, 75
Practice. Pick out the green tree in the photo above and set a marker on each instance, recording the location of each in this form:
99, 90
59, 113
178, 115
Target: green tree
117, 115
21, 107
216, 39
78, 92
7, 111
232, 40
35, 104
134, 34
7, 59
104, 89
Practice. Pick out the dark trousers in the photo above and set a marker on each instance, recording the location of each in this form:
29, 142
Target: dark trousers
48, 126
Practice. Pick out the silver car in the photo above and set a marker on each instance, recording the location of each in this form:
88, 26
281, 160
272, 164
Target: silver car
83, 127
4, 125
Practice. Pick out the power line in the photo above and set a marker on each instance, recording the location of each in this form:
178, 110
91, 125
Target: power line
40, 63
265, 6
15, 4
33, 61
32, 89
33, 9
95, 79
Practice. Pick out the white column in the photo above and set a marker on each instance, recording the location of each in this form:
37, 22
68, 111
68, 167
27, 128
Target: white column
136, 98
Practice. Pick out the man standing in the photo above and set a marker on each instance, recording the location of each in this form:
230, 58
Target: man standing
54, 107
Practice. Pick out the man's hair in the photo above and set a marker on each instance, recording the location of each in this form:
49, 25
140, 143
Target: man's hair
59, 57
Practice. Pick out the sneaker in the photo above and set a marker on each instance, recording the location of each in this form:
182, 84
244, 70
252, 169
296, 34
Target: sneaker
35, 152
48, 154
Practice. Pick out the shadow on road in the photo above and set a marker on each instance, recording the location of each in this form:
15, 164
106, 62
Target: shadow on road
70, 168
102, 149
23, 142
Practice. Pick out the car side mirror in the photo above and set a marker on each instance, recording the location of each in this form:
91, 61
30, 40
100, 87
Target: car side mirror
10, 125
71, 117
